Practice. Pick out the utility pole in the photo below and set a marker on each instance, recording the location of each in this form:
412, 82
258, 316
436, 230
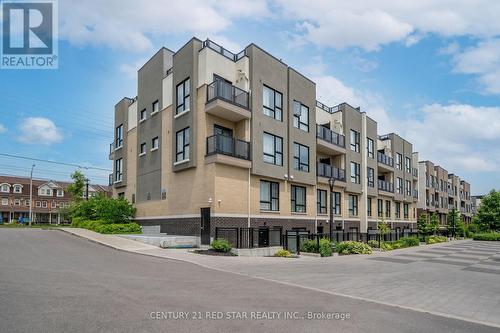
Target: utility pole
331, 182
31, 194
87, 189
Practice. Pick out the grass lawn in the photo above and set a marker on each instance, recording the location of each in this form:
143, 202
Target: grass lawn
18, 225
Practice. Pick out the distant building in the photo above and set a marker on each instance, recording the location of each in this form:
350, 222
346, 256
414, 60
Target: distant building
49, 196
475, 203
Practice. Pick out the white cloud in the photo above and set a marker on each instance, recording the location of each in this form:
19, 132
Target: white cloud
130, 24
39, 130
3, 129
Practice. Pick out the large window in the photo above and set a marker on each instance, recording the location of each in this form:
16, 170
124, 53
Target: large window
300, 157
300, 116
355, 178
353, 205
387, 209
398, 210
369, 147
182, 145
354, 141
369, 206
118, 170
119, 136
405, 211
321, 201
399, 185
273, 149
336, 203
183, 93
269, 195
272, 103
408, 164
298, 199
399, 161
408, 188
380, 208
371, 176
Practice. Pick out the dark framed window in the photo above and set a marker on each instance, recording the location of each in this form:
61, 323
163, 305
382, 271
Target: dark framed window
355, 177
142, 149
369, 206
298, 199
408, 164
380, 207
273, 149
155, 107
399, 185
155, 143
182, 145
408, 188
272, 102
321, 201
354, 138
369, 148
300, 157
183, 90
221, 130
398, 210
119, 136
371, 176
118, 169
337, 203
269, 195
405, 210
300, 116
399, 161
353, 205
142, 115
387, 209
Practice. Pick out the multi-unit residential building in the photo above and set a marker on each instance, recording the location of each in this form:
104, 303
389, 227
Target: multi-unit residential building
218, 139
442, 192
475, 201
48, 198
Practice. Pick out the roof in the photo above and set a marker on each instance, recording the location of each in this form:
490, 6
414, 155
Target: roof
37, 182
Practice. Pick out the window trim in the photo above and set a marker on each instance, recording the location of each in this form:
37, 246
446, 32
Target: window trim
157, 103
271, 198
293, 197
300, 124
354, 145
370, 153
357, 175
153, 140
141, 118
184, 146
119, 137
337, 203
141, 151
297, 159
276, 108
275, 145
180, 108
321, 207
118, 171
353, 205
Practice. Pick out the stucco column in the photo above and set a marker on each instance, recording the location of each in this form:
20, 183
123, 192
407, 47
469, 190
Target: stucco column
363, 204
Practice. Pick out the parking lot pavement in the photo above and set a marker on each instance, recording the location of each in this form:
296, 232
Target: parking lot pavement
54, 282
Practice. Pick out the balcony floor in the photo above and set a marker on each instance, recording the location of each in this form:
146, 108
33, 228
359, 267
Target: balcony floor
226, 110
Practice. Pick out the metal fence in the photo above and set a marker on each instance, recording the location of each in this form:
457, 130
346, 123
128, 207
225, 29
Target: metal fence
247, 238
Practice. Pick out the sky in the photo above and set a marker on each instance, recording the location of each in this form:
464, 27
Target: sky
427, 70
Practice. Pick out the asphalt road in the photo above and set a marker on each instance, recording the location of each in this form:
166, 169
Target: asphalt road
54, 282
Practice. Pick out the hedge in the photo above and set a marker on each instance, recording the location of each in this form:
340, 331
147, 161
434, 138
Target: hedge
221, 245
107, 228
435, 239
351, 247
311, 246
490, 236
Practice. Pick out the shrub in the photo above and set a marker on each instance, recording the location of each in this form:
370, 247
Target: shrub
309, 246
435, 239
409, 241
373, 243
107, 228
108, 210
491, 236
351, 247
283, 253
386, 246
221, 245
325, 247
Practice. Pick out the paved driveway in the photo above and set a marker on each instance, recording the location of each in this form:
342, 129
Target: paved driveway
55, 282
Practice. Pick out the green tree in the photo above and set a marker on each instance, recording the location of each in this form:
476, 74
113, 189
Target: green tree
104, 209
383, 228
452, 222
488, 214
77, 187
422, 225
434, 225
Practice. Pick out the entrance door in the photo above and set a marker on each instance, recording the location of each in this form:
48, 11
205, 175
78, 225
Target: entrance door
205, 226
263, 237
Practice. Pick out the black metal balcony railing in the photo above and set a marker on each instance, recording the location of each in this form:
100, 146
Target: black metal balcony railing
330, 136
226, 53
414, 172
330, 171
384, 159
111, 147
226, 145
222, 90
385, 186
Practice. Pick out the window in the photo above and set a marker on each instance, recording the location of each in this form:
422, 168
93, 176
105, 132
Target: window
398, 210
399, 185
155, 107
371, 177
369, 147
154, 143
300, 157
387, 209
142, 149
298, 199
44, 204
18, 188
272, 103
399, 161
182, 146
321, 201
5, 188
408, 187
273, 149
119, 137
53, 204
380, 208
60, 193
405, 211
408, 164
38, 204
355, 173
142, 115
269, 195
369, 206
118, 170
17, 202
183, 92
354, 141
5, 202
300, 116
336, 203
353, 205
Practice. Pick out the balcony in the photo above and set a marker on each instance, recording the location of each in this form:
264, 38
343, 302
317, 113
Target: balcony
385, 162
227, 101
329, 142
330, 171
385, 186
451, 206
228, 150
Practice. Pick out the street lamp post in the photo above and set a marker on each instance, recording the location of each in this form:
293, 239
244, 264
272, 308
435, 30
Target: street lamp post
31, 194
331, 182
87, 189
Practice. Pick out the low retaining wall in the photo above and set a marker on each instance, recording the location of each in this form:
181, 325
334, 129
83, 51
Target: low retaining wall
166, 241
257, 252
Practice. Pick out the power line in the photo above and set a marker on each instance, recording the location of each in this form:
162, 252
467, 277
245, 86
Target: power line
54, 162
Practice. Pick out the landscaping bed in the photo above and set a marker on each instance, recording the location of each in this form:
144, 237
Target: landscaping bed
489, 236
212, 252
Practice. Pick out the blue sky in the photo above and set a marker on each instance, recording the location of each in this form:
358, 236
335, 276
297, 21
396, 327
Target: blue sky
430, 72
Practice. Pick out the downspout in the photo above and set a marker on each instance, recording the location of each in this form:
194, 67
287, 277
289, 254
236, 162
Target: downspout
248, 200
